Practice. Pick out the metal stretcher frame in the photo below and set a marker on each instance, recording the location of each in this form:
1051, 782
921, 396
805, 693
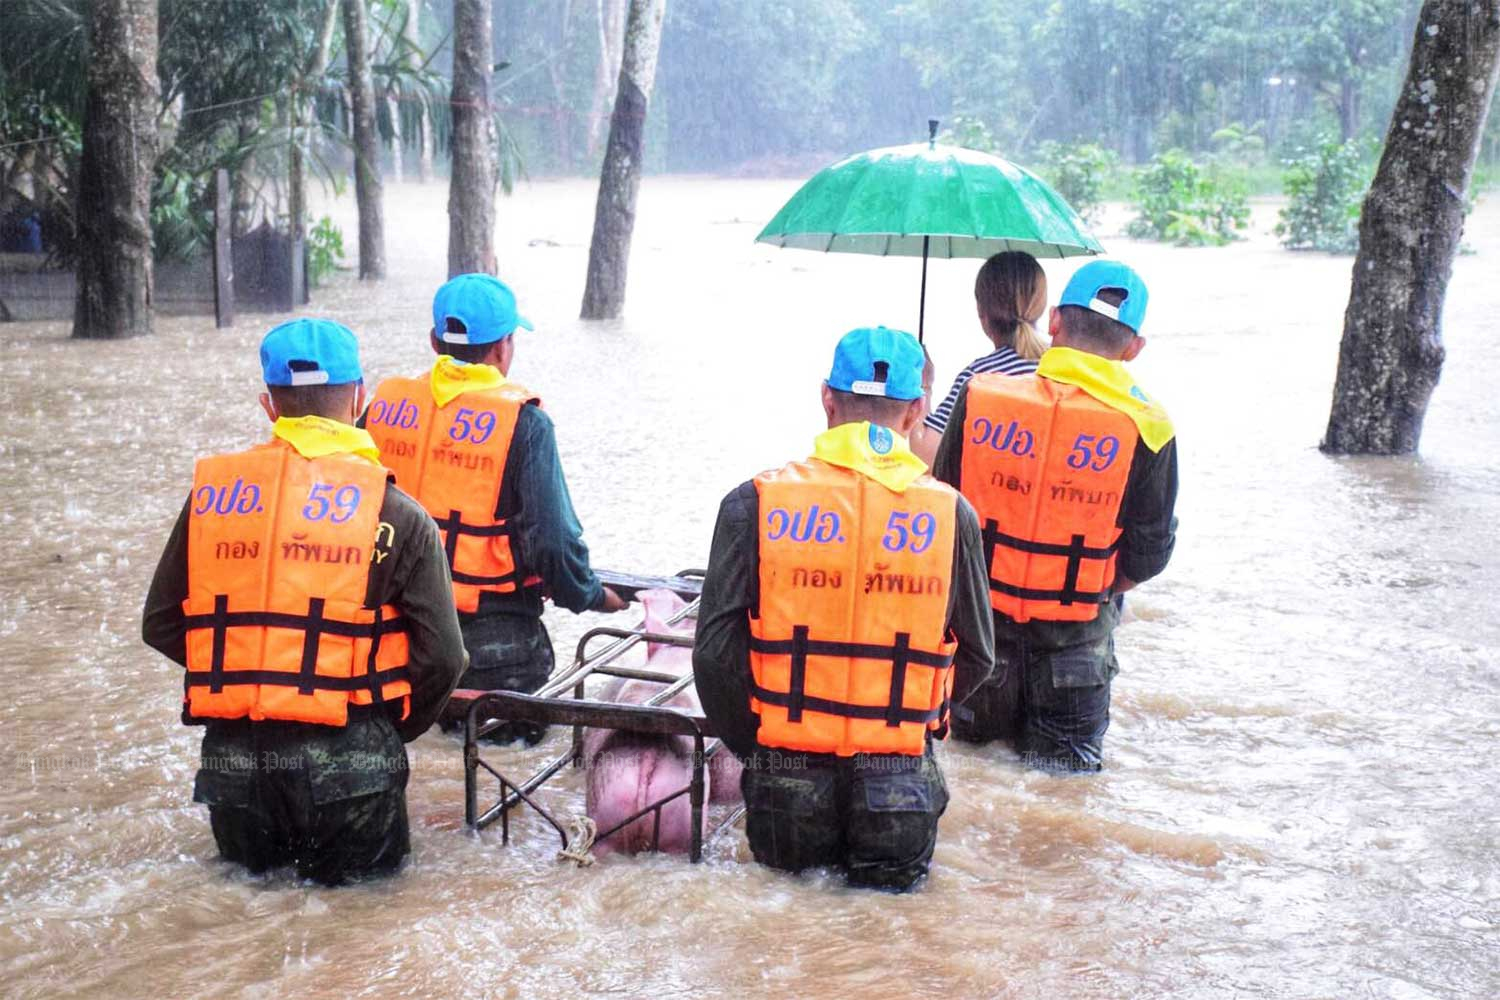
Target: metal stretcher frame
551, 706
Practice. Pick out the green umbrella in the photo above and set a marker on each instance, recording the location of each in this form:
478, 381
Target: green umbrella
932, 200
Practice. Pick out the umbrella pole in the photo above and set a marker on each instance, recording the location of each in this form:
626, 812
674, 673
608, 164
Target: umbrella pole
922, 306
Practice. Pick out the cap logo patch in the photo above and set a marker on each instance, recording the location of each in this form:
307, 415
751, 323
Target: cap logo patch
861, 388
309, 378
1103, 308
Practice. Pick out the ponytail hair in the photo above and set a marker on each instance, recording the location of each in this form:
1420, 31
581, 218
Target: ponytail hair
1005, 290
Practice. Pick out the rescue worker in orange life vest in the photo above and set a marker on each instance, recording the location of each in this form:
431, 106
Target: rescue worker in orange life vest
309, 600
1073, 471
843, 614
479, 453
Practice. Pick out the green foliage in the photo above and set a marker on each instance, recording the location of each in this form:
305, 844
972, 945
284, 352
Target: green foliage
325, 248
509, 159
43, 49
1079, 173
1184, 203
1176, 130
1324, 187
969, 132
43, 44
1237, 141
182, 225
743, 81
1139, 76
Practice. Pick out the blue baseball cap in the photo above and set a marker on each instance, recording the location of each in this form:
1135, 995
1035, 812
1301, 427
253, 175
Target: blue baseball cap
860, 352
310, 352
1095, 276
483, 303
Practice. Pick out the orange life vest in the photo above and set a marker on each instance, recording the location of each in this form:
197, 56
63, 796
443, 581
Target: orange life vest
279, 551
1045, 466
849, 649
452, 459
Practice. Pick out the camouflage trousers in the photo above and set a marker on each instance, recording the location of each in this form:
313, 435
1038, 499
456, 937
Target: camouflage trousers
1052, 705
873, 815
331, 802
506, 653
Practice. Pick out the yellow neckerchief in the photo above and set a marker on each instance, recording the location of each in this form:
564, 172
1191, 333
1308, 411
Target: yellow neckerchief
871, 450
1109, 383
314, 437
452, 378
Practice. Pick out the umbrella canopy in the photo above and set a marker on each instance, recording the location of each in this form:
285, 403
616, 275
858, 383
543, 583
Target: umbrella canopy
932, 200
927, 200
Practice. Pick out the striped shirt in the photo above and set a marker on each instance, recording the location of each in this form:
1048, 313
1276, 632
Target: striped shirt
1005, 361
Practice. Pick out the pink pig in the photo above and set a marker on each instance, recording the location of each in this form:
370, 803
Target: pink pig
629, 771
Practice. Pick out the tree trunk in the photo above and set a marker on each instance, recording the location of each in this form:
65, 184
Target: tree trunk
1413, 217
471, 188
620, 179
562, 110
302, 113
427, 144
1348, 109
409, 44
114, 182
411, 37
367, 190
242, 201
611, 16
393, 108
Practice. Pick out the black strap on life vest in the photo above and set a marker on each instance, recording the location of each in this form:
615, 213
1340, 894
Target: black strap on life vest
798, 681
320, 683
377, 693
1075, 552
312, 633
796, 700
220, 626
314, 626
899, 653
454, 525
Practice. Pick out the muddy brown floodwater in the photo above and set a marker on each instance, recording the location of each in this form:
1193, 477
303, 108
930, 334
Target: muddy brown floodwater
1300, 798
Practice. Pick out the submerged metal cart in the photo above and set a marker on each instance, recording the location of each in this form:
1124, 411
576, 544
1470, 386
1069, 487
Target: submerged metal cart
561, 702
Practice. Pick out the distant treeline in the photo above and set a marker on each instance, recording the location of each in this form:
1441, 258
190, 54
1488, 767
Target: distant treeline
770, 80
757, 86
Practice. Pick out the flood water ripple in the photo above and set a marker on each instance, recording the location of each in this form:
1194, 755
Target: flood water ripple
1299, 799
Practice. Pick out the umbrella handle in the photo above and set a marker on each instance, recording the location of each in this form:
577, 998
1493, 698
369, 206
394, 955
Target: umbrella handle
922, 305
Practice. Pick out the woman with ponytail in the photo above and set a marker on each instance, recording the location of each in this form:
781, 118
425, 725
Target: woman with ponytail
1010, 295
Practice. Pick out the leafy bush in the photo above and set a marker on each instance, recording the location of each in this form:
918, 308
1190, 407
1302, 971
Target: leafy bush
182, 225
1324, 187
325, 248
1174, 131
1186, 204
1241, 142
1078, 174
969, 132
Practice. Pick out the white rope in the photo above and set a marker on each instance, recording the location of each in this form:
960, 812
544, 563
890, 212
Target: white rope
581, 834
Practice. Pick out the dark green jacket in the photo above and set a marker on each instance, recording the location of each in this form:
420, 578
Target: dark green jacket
549, 540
